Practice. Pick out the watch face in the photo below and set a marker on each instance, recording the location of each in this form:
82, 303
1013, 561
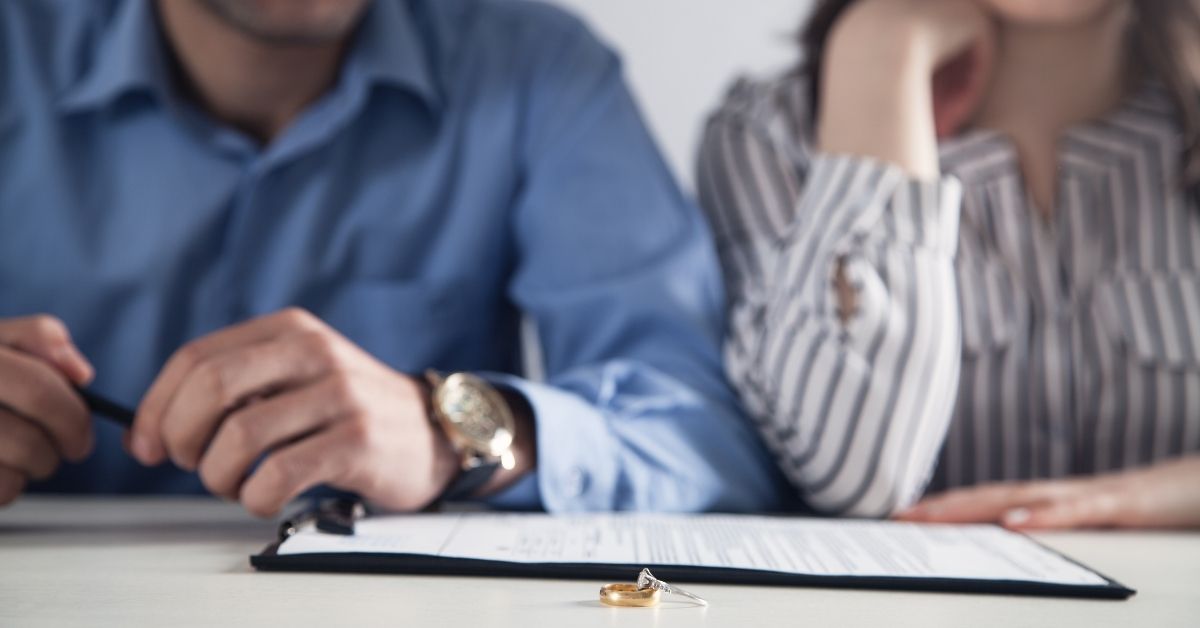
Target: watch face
470, 411
479, 414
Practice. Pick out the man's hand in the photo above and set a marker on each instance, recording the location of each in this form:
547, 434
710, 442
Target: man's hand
320, 409
42, 420
1163, 496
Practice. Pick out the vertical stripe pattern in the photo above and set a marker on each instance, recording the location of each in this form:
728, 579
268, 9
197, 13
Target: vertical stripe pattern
989, 344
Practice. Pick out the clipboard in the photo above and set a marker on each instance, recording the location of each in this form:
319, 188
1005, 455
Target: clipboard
372, 552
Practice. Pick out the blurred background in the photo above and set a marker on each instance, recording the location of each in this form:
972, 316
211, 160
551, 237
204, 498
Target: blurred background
680, 55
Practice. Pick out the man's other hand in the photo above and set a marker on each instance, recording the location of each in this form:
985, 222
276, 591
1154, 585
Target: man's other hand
288, 392
42, 419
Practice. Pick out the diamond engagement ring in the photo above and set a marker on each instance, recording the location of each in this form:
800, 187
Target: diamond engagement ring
646, 580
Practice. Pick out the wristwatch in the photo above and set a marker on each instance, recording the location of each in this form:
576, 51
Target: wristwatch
479, 424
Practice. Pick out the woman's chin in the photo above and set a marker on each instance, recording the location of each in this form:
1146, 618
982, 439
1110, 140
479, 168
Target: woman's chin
1051, 12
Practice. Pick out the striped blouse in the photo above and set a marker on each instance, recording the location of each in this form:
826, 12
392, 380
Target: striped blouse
988, 343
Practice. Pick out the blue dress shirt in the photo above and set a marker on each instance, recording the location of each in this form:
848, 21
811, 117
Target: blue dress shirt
475, 161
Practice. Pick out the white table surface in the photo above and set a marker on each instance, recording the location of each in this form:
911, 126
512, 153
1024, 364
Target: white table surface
171, 562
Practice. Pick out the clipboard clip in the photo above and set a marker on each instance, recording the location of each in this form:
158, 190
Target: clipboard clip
335, 515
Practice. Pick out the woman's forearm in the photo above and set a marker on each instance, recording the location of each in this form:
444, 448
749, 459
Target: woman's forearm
876, 95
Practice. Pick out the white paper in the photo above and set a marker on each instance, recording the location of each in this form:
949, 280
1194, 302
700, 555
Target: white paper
821, 547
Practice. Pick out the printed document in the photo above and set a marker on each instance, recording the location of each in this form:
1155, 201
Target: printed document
791, 545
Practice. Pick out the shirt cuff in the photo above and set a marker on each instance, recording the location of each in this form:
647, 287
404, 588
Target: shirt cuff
576, 467
876, 198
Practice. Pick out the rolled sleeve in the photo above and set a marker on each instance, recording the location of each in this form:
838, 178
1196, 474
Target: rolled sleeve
854, 410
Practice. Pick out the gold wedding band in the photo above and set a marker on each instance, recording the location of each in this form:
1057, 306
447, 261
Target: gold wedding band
628, 595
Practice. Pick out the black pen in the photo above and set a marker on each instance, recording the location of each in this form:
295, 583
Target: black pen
107, 408
335, 515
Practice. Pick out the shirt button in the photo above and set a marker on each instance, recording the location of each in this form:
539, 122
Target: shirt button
576, 482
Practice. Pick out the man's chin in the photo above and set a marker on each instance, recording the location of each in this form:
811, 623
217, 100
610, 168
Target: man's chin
285, 38
290, 23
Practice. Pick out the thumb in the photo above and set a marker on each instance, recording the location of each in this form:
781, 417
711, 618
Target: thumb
47, 337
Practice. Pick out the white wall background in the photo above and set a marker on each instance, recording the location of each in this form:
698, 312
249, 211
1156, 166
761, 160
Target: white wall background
680, 55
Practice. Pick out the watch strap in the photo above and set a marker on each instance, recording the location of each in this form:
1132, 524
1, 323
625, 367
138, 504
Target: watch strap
468, 482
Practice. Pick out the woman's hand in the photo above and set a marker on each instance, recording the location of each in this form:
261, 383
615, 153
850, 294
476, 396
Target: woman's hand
1163, 496
899, 74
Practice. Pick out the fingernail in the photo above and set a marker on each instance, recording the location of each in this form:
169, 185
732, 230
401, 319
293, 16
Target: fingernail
64, 356
71, 360
88, 374
1016, 516
142, 449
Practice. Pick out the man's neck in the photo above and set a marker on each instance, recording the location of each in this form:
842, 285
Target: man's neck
254, 86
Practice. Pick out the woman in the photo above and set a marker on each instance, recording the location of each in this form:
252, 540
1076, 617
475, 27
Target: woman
965, 237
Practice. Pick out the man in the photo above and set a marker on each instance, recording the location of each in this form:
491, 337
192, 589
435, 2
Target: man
272, 216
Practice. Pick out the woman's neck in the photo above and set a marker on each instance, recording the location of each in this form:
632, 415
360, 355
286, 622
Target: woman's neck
1050, 78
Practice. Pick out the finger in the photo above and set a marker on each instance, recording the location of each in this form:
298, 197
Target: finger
323, 458
981, 503
261, 427
146, 441
34, 390
25, 447
47, 337
986, 503
1102, 508
12, 484
225, 382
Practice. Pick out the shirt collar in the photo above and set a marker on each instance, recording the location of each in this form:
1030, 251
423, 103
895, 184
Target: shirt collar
132, 56
389, 50
1145, 124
